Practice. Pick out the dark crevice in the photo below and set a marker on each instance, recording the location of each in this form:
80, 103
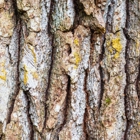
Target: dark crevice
117, 31
51, 35
126, 67
125, 31
109, 28
92, 48
2, 137
18, 29
13, 96
125, 92
96, 2
87, 101
108, 24
79, 12
87, 92
101, 71
16, 13
68, 97
138, 82
11, 61
69, 49
48, 85
27, 94
1, 133
110, 14
67, 102
50, 17
81, 18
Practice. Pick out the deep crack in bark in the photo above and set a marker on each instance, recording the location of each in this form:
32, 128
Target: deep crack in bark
52, 57
87, 101
101, 72
126, 67
67, 103
27, 93
17, 79
110, 13
138, 82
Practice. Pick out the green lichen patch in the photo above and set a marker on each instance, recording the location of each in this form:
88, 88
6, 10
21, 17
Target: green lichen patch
107, 100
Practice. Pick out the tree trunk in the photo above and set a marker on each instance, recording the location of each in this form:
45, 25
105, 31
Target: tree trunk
69, 69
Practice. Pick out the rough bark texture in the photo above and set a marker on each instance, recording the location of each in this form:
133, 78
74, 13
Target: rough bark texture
69, 70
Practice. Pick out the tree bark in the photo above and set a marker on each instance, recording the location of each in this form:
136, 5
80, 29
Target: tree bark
69, 69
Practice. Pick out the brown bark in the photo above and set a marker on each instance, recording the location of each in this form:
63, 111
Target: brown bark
69, 70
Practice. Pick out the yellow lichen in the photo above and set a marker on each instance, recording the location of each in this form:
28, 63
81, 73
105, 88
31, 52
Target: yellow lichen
76, 42
2, 64
3, 71
35, 75
77, 58
116, 44
26, 72
110, 50
25, 80
3, 77
117, 54
75, 67
137, 44
33, 52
